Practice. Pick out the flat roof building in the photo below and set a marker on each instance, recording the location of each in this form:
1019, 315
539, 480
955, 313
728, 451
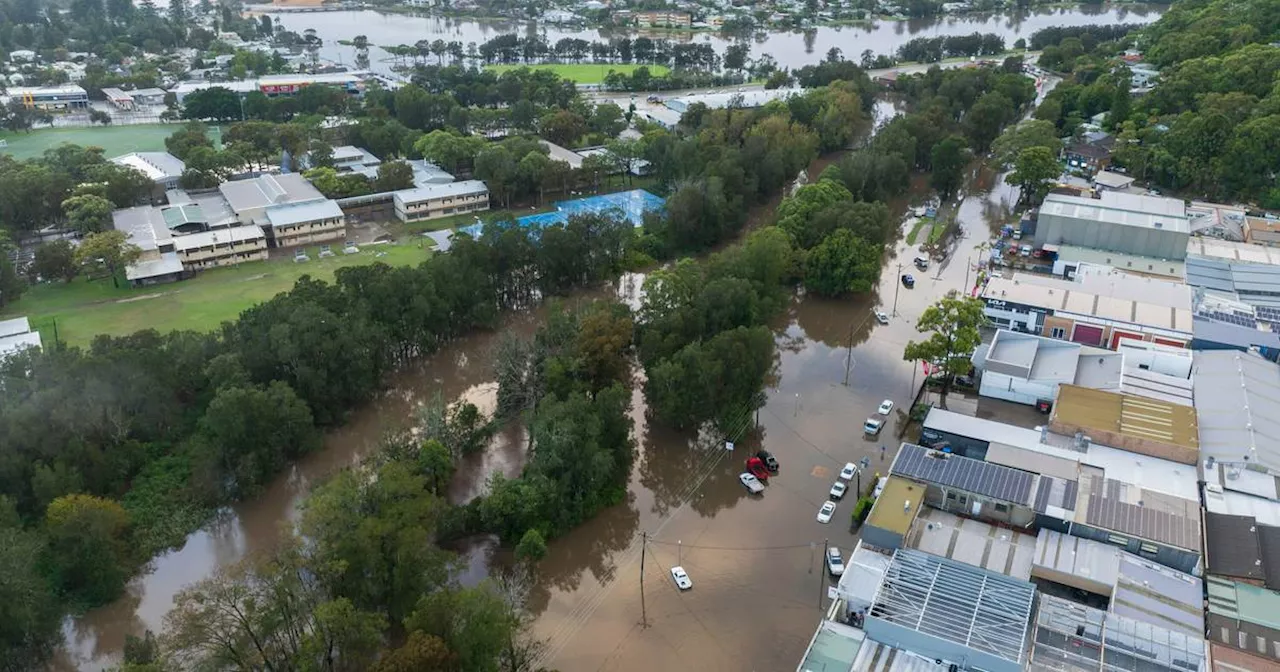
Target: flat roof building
1096, 309
352, 82
1137, 424
162, 168
893, 512
441, 200
1027, 369
1244, 617
1237, 398
1148, 226
1145, 505
973, 542
16, 335
62, 97
1262, 231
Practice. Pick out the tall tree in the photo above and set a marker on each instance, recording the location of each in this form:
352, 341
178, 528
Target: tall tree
88, 213
953, 326
56, 260
948, 159
89, 547
842, 263
1033, 171
111, 250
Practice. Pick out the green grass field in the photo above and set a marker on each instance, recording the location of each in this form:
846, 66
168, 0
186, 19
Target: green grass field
584, 73
84, 309
114, 140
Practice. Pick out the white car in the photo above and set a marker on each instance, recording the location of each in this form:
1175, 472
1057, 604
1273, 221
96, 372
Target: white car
824, 514
751, 483
848, 471
882, 317
683, 582
835, 563
837, 489
886, 407
879, 487
872, 426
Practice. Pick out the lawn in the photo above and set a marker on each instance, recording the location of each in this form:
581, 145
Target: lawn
114, 140
584, 73
84, 309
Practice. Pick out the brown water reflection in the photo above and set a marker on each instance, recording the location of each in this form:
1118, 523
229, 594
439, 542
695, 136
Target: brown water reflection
754, 560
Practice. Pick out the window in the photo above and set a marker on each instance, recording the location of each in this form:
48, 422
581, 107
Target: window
1262, 646
1149, 549
951, 495
1226, 637
1058, 332
1002, 508
1243, 639
1117, 540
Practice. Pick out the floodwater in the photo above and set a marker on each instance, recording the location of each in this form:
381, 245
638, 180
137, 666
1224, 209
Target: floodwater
793, 49
755, 561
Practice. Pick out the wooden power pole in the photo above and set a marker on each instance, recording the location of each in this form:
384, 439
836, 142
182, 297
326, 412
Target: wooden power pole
644, 618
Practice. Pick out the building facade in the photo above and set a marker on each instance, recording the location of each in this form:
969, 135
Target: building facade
1145, 226
441, 200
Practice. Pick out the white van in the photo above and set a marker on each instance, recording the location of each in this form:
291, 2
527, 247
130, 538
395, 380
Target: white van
922, 262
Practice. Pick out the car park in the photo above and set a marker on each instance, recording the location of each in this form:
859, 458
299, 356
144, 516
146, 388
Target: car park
882, 317
825, 513
908, 280
835, 563
872, 426
849, 470
751, 483
886, 407
756, 467
838, 489
770, 462
683, 582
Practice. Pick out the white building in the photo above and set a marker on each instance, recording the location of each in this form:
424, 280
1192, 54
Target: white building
163, 168
16, 335
441, 200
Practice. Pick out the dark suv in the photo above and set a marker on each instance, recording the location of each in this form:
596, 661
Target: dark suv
769, 460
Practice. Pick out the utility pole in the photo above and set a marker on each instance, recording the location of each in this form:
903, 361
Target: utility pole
644, 618
897, 285
822, 581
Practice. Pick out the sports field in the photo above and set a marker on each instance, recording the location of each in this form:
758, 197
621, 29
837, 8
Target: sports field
114, 140
84, 309
584, 73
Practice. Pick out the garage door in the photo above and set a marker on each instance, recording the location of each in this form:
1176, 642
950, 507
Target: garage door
1086, 334
1117, 335
1176, 344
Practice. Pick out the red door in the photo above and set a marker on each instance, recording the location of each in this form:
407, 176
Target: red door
1165, 341
1117, 335
1087, 334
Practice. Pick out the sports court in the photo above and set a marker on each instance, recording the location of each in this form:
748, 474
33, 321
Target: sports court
630, 205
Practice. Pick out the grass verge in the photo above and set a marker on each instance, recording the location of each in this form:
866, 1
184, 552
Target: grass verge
85, 308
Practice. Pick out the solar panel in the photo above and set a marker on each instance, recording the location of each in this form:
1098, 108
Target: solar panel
962, 473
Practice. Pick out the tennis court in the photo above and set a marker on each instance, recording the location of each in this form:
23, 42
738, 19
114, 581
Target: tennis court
630, 205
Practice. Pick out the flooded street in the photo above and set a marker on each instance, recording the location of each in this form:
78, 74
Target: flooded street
755, 562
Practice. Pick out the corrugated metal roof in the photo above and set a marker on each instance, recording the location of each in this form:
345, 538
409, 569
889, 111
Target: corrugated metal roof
1152, 593
300, 213
962, 473
1237, 397
1234, 599
1176, 522
17, 325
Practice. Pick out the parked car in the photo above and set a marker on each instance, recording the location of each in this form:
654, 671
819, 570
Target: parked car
751, 483
770, 462
683, 582
922, 263
882, 317
872, 426
886, 407
835, 563
837, 490
908, 281
849, 470
756, 466
825, 513
964, 381
879, 487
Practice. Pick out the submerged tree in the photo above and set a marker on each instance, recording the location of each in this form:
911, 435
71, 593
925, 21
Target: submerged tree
952, 324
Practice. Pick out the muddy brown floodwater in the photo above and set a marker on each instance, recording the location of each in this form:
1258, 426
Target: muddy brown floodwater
755, 561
